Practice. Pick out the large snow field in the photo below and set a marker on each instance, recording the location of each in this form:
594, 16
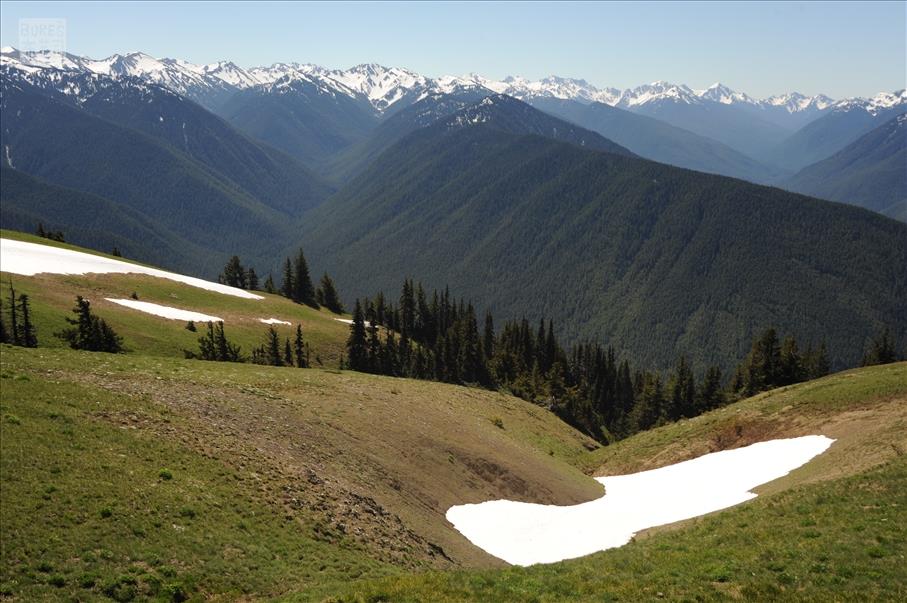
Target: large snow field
164, 311
27, 259
524, 533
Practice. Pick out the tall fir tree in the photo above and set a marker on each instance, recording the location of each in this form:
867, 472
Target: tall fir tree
299, 347
303, 291
288, 287
329, 296
357, 345
28, 337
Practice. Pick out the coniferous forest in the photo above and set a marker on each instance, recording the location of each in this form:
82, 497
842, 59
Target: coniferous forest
590, 386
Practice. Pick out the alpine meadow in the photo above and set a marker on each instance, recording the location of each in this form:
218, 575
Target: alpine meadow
482, 317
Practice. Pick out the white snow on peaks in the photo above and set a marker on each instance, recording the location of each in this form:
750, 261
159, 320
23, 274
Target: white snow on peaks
27, 259
720, 93
525, 534
383, 87
164, 311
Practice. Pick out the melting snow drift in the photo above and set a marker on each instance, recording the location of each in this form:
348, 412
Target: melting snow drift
524, 533
274, 321
27, 259
165, 311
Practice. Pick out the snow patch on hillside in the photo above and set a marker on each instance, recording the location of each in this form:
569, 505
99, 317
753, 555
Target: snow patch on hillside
274, 321
525, 534
164, 311
28, 259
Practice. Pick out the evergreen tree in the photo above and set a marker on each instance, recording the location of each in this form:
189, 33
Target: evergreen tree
881, 350
28, 338
711, 395
791, 364
269, 284
488, 337
303, 291
272, 347
374, 349
89, 332
288, 287
299, 345
819, 365
683, 392
115, 252
329, 297
287, 353
252, 280
234, 274
356, 345
214, 345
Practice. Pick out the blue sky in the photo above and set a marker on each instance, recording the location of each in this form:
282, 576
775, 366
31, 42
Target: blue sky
763, 48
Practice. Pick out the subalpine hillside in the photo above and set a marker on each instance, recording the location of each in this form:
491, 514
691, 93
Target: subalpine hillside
168, 478
52, 297
653, 259
831, 530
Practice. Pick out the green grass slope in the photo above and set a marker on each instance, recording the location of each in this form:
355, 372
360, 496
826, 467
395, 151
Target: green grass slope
52, 297
136, 473
831, 530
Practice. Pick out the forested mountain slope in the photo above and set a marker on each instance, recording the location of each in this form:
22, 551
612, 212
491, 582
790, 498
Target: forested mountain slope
870, 172
657, 140
654, 259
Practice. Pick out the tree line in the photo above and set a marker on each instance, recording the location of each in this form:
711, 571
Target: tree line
296, 284
590, 386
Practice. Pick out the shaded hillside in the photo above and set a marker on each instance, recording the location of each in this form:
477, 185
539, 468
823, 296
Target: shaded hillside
69, 147
870, 172
658, 140
654, 259
88, 220
827, 135
300, 117
737, 127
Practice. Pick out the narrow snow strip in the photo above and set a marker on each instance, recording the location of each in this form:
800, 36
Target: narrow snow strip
525, 533
274, 321
165, 311
20, 257
344, 320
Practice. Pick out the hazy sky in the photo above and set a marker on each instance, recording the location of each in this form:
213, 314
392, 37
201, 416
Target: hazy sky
763, 48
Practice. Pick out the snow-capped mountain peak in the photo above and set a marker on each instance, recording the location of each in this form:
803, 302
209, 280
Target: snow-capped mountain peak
383, 87
720, 93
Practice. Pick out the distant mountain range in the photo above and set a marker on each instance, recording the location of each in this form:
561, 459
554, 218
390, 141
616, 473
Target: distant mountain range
532, 198
385, 88
872, 171
319, 115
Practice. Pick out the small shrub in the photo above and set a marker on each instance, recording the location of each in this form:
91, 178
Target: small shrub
12, 419
175, 592
121, 589
45, 568
498, 422
134, 295
88, 580
165, 474
57, 580
187, 512
190, 326
106, 512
